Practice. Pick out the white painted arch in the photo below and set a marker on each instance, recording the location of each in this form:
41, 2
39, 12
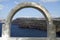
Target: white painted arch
50, 27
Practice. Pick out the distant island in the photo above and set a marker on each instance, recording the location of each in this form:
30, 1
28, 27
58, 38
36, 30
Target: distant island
2, 20
36, 23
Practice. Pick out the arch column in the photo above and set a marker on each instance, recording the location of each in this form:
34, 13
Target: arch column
50, 26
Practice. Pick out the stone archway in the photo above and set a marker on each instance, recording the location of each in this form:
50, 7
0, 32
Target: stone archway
50, 26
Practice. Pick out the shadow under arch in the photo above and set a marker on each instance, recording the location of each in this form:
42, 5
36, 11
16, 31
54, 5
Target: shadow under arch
50, 27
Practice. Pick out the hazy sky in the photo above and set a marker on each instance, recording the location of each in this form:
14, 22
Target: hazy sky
53, 6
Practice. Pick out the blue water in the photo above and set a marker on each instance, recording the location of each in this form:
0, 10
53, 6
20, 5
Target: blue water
16, 31
0, 29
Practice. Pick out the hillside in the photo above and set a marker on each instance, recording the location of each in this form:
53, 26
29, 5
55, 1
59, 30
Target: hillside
35, 23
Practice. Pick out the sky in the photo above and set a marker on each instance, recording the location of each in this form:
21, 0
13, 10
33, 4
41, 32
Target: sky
53, 6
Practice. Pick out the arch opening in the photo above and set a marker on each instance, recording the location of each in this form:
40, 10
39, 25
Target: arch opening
29, 24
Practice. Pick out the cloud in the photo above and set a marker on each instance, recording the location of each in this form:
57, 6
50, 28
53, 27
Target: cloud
1, 6
50, 0
16, 2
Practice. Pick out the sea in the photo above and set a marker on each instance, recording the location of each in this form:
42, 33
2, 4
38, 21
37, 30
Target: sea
16, 31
